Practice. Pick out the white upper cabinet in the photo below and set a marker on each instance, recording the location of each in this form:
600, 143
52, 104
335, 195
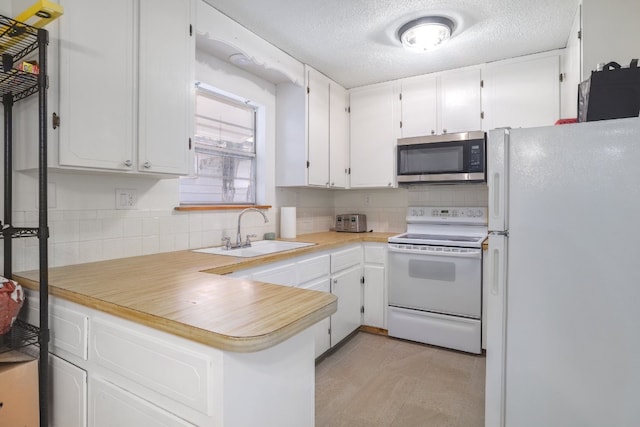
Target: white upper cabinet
338, 136
571, 68
444, 103
166, 86
97, 78
419, 106
374, 126
310, 132
460, 101
124, 85
523, 92
318, 87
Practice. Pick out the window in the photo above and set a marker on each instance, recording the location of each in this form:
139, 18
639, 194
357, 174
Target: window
225, 151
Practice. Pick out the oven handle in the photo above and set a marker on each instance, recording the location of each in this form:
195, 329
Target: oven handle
473, 253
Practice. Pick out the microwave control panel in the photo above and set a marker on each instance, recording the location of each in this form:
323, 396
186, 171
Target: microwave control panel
476, 156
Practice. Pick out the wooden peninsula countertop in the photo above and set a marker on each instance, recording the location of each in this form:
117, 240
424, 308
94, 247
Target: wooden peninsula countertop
186, 293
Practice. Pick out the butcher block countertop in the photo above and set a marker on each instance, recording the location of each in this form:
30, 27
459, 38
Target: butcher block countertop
186, 294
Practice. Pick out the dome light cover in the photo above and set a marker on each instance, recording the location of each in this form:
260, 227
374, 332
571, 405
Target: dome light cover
425, 33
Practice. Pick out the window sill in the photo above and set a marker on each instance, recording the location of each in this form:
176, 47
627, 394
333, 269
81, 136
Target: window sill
219, 207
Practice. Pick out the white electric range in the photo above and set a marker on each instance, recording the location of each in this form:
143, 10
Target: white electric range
435, 277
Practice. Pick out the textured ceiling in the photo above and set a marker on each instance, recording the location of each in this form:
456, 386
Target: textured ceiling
354, 41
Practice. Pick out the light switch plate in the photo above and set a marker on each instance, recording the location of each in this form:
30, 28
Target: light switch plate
126, 198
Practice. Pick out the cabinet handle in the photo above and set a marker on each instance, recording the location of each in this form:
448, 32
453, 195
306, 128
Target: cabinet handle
444, 131
433, 132
147, 164
55, 120
335, 281
333, 184
128, 163
389, 184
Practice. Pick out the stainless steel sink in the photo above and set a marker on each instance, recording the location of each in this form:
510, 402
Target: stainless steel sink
261, 247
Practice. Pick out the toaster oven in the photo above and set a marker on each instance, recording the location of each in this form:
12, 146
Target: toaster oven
351, 223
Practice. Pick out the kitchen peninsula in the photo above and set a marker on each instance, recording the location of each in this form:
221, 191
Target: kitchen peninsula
169, 338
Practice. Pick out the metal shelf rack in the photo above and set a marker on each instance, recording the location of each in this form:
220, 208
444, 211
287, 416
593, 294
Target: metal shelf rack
20, 43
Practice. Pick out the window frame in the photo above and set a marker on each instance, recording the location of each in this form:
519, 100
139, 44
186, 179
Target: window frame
201, 148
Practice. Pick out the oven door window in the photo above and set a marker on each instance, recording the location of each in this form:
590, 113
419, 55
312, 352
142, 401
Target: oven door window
431, 158
432, 270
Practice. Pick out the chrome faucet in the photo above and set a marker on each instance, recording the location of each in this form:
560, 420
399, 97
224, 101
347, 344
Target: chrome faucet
239, 243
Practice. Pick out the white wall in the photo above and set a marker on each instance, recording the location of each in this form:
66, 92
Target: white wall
610, 32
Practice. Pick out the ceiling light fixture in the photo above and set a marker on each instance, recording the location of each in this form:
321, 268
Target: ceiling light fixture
425, 33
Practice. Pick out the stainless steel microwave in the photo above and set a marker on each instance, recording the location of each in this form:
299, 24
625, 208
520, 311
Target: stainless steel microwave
449, 158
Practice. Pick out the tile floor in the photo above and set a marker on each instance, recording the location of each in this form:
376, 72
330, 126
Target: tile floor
377, 381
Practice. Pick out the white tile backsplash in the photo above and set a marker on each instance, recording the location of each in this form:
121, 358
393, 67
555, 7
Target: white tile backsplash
79, 236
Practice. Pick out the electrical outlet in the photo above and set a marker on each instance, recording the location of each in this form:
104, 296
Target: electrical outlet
126, 198
367, 200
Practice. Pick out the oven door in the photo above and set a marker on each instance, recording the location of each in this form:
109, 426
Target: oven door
436, 279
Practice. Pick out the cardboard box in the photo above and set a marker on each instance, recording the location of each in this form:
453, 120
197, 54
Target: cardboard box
19, 405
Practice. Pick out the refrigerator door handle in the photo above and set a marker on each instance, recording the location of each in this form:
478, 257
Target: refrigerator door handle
498, 164
496, 184
496, 331
495, 275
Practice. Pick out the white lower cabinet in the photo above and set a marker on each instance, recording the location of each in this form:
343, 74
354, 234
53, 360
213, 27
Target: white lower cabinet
67, 394
69, 328
322, 329
281, 275
339, 272
374, 289
347, 286
111, 406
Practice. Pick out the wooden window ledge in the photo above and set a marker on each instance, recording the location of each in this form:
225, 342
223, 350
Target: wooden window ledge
219, 207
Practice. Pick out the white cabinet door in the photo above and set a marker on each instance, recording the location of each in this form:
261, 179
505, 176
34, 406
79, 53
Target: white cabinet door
523, 92
166, 86
318, 127
312, 132
321, 330
25, 112
374, 289
347, 286
419, 107
67, 394
111, 406
374, 130
97, 82
338, 135
373, 295
460, 102
572, 69
291, 141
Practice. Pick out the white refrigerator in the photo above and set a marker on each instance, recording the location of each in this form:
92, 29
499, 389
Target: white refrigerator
563, 314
